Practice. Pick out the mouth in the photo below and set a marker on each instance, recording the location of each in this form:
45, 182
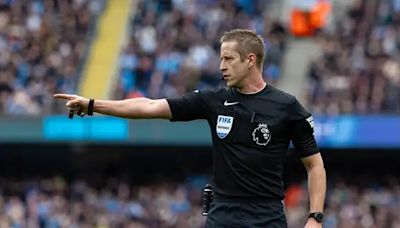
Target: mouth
225, 77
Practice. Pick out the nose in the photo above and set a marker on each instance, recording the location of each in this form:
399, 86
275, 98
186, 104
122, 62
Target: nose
222, 67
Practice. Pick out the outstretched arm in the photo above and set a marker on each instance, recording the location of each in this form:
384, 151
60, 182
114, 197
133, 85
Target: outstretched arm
316, 185
136, 108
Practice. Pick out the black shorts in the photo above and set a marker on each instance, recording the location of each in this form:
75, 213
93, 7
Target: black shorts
246, 213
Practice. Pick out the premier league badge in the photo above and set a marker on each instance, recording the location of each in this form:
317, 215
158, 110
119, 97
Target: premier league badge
224, 125
261, 135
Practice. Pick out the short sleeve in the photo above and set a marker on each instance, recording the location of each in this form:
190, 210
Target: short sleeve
301, 128
190, 106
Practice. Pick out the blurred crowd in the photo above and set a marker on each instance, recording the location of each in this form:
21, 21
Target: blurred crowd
42, 46
173, 48
174, 45
358, 67
349, 204
54, 203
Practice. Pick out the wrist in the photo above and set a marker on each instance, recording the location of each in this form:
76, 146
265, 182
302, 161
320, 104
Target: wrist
90, 107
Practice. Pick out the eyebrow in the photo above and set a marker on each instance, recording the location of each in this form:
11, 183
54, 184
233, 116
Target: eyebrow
228, 55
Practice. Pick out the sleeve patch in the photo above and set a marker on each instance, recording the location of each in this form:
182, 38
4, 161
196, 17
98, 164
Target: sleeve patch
310, 121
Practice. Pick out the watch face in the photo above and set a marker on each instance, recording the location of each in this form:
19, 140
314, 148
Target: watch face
319, 217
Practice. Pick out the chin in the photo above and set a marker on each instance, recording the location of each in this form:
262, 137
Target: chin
230, 84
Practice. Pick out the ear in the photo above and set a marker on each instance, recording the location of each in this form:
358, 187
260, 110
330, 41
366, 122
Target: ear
251, 60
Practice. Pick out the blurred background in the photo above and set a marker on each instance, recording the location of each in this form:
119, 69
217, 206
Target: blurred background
340, 58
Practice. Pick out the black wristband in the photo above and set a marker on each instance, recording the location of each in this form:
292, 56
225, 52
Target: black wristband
318, 216
90, 107
71, 114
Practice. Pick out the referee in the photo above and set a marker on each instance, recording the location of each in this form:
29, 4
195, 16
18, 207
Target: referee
252, 124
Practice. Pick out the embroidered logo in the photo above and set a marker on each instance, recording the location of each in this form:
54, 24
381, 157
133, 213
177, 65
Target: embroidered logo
224, 125
261, 135
226, 103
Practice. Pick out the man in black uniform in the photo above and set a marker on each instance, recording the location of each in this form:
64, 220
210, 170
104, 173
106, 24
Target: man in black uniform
251, 124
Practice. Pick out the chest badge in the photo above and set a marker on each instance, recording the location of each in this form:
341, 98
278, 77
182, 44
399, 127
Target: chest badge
261, 135
224, 125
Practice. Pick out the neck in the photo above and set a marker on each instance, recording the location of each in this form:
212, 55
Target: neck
253, 86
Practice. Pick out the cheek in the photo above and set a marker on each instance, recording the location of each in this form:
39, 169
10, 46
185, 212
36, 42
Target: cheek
238, 67
241, 69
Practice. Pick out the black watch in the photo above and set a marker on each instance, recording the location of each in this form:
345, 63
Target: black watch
318, 216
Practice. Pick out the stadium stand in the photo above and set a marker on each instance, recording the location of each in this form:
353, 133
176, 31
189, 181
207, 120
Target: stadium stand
98, 76
53, 202
357, 70
351, 205
174, 45
42, 46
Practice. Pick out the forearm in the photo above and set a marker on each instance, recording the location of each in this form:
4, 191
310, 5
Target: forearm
317, 188
136, 108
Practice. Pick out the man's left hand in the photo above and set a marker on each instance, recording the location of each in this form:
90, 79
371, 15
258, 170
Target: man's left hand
311, 223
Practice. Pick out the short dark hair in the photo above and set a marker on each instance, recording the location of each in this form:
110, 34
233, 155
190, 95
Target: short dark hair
247, 42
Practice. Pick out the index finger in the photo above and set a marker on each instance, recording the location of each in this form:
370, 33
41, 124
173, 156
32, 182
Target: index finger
63, 96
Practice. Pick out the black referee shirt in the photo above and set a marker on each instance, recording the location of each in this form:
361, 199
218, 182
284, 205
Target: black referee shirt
250, 135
